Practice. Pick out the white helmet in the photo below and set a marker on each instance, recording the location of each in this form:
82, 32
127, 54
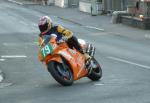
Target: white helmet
45, 24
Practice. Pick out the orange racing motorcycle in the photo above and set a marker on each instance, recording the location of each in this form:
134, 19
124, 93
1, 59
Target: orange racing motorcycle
68, 65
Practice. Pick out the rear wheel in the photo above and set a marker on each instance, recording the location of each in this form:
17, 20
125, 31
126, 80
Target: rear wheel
61, 73
96, 72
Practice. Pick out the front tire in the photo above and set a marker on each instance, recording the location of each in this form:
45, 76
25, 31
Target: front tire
61, 74
96, 72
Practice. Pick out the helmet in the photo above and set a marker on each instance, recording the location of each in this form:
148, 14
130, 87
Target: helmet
45, 24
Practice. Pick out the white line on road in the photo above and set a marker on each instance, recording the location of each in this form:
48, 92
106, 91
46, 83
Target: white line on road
35, 25
99, 84
92, 27
1, 78
15, 2
3, 85
13, 56
2, 60
129, 62
24, 23
147, 36
20, 44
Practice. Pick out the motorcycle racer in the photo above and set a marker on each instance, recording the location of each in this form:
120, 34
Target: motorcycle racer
47, 28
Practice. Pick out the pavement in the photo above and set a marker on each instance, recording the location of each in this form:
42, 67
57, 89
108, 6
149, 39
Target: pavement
25, 2
73, 15
99, 22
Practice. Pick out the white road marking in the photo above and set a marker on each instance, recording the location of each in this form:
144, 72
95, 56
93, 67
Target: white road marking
13, 56
15, 2
147, 36
24, 23
35, 29
3, 85
129, 62
99, 84
19, 44
92, 27
100, 34
35, 25
1, 78
2, 59
114, 33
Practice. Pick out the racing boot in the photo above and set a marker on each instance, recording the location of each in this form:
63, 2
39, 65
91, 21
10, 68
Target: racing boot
87, 60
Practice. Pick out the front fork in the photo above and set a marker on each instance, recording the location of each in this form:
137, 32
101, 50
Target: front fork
90, 50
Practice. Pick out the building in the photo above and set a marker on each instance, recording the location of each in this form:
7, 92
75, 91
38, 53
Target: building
114, 5
66, 3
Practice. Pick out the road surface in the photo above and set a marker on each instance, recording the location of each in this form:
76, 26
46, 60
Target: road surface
125, 60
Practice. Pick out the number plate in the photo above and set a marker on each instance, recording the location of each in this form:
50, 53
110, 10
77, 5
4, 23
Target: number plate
47, 49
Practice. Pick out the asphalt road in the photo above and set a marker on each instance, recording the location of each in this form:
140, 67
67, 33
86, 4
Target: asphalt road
125, 61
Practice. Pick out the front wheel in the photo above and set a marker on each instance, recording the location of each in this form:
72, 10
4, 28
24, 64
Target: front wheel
61, 73
96, 72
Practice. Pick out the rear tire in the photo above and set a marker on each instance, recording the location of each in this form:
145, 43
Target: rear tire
96, 73
62, 75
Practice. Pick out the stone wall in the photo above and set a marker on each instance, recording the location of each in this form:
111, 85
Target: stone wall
136, 22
